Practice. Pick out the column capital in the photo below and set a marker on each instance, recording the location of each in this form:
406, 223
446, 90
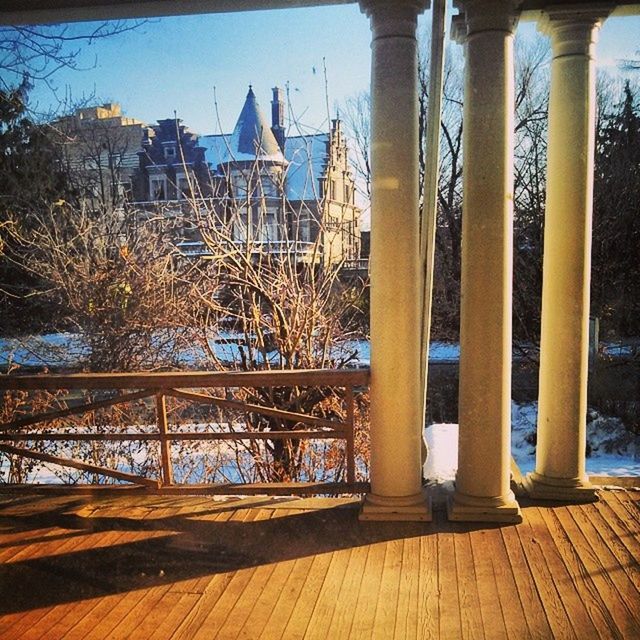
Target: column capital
574, 30
477, 16
393, 17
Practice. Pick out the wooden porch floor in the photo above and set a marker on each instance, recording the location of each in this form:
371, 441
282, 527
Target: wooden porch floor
192, 567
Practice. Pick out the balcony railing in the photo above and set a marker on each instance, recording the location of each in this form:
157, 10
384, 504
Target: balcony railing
198, 248
185, 386
359, 265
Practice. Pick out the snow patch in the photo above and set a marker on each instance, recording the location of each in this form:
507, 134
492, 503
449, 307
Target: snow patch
442, 457
613, 451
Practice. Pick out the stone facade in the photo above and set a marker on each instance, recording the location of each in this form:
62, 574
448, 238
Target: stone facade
171, 165
100, 148
287, 188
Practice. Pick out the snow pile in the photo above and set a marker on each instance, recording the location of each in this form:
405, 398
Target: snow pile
442, 458
523, 434
611, 449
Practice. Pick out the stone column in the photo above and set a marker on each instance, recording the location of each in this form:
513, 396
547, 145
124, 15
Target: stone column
560, 456
483, 480
396, 402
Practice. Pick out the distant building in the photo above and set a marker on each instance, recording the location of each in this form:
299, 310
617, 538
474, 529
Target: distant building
171, 165
100, 149
275, 191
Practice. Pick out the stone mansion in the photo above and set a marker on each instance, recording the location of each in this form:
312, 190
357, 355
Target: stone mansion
274, 191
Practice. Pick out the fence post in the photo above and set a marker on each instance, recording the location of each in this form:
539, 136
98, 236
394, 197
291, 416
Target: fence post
351, 454
165, 445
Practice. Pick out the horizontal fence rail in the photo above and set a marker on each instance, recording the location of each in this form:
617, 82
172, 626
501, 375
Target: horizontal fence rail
179, 385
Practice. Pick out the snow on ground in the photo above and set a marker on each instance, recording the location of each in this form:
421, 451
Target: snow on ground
612, 450
70, 350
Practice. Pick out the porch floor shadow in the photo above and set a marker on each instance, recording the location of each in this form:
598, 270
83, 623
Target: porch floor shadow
155, 567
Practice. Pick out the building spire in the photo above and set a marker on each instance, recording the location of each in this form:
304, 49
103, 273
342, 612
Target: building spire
252, 137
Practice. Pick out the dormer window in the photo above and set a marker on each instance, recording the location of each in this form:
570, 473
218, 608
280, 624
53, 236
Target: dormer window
169, 152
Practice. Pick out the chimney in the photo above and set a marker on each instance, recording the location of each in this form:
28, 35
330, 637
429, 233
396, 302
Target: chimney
277, 116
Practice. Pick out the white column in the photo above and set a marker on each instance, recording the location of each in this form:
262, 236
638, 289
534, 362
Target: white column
483, 480
560, 456
396, 401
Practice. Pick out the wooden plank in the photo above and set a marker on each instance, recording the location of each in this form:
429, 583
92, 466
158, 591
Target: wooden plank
406, 618
366, 604
165, 444
491, 607
71, 411
428, 589
247, 600
536, 618
450, 623
77, 464
127, 617
288, 598
572, 556
557, 557
63, 616
189, 379
350, 433
613, 585
35, 625
386, 607
36, 621
131, 613
164, 620
615, 534
171, 436
220, 595
514, 611
16, 547
342, 619
576, 610
109, 610
258, 618
468, 585
626, 482
618, 517
327, 598
128, 603
543, 572
246, 407
48, 11
297, 623
631, 506
220, 489
223, 608
208, 589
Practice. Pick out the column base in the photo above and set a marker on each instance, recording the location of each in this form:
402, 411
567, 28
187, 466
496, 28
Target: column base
462, 508
416, 508
540, 487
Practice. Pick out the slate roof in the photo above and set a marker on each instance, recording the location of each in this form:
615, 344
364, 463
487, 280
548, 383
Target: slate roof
252, 138
305, 157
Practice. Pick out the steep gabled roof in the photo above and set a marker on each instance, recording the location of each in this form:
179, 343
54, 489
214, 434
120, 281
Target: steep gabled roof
308, 156
252, 138
305, 157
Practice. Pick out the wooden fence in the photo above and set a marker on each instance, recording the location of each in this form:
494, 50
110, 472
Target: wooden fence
138, 386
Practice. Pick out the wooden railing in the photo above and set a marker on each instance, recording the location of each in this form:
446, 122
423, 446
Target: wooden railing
139, 386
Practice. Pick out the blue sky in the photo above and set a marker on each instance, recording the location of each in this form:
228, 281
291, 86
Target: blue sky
174, 63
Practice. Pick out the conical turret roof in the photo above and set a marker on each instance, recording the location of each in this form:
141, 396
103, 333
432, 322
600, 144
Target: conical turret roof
252, 138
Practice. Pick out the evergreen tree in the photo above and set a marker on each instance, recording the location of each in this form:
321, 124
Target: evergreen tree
32, 183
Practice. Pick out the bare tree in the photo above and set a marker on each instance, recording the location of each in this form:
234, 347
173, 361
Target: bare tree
268, 288
356, 116
98, 154
37, 52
